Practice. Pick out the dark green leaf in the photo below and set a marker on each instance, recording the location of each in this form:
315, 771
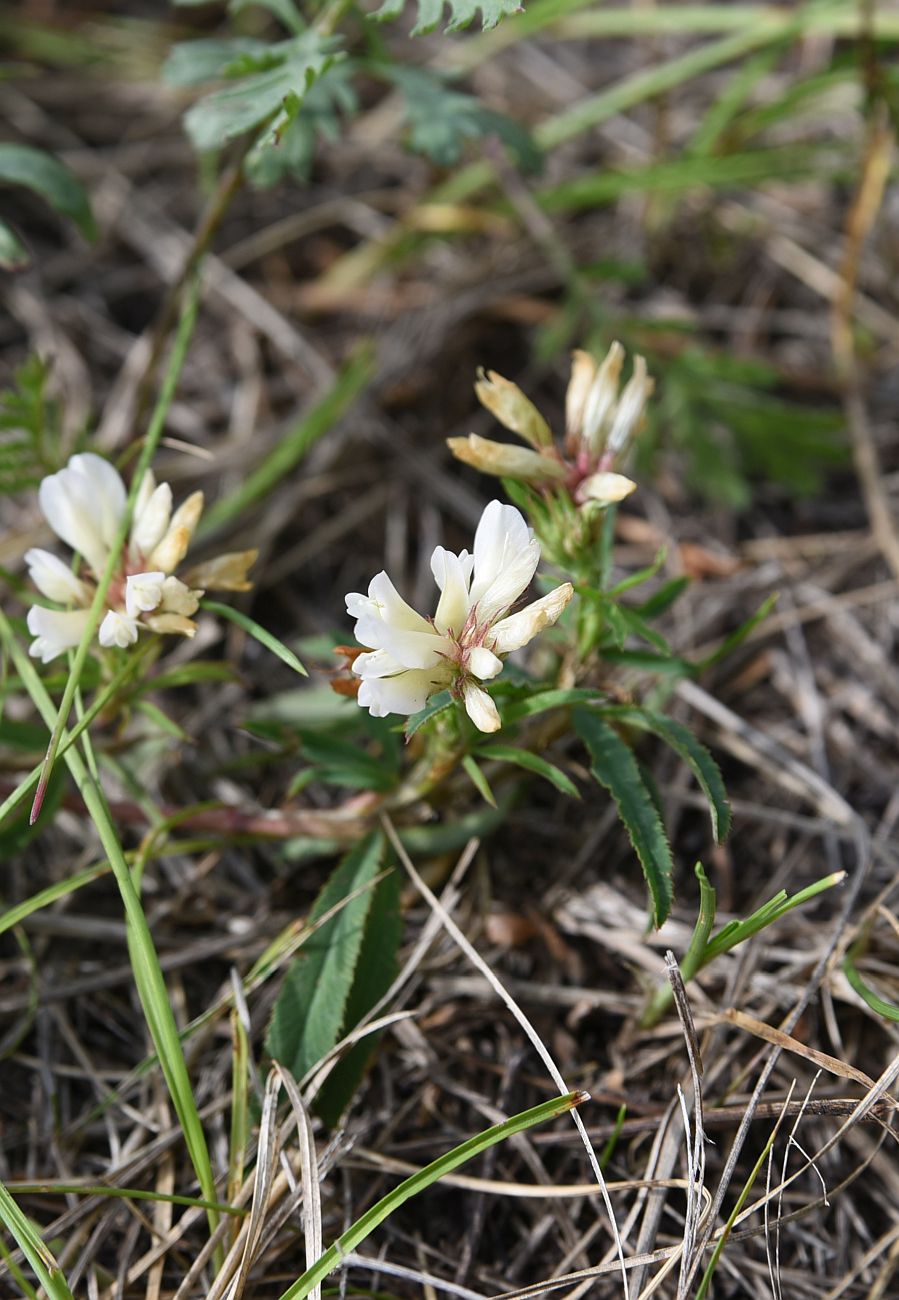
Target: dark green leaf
13, 253
531, 763
478, 780
694, 754
376, 970
436, 704
730, 643
272, 96
318, 116
442, 120
45, 175
879, 1005
613, 765
542, 701
309, 1014
191, 63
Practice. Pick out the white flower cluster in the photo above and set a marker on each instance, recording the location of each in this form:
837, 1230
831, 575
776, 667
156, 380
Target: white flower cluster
84, 504
408, 657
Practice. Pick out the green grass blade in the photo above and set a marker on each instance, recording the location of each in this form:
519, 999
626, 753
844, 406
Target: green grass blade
531, 763
426, 1177
888, 1010
147, 971
283, 652
49, 895
478, 780
43, 1263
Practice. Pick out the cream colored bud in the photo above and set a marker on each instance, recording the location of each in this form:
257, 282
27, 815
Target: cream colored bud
223, 573
175, 624
169, 553
505, 460
480, 708
604, 488
631, 412
177, 598
600, 406
583, 373
518, 629
508, 403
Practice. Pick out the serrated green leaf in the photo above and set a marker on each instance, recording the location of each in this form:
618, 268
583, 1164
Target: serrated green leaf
436, 704
13, 253
319, 115
531, 763
51, 179
190, 63
441, 120
271, 96
462, 12
284, 10
309, 1014
257, 632
692, 751
376, 970
613, 765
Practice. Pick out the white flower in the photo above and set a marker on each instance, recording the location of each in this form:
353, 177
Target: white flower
84, 504
143, 592
55, 631
409, 657
117, 630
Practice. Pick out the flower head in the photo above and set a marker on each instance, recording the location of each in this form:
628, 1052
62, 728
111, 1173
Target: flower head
409, 658
601, 423
84, 504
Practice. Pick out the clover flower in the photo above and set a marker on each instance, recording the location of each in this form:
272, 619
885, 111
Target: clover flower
84, 504
601, 423
408, 657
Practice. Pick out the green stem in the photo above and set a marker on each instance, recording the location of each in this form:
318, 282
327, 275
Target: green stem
147, 971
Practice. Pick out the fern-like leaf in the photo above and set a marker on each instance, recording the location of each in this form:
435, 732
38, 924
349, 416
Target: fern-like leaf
462, 12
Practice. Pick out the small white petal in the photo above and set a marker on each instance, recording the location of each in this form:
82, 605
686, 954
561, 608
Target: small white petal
117, 630
55, 631
480, 708
54, 579
583, 373
483, 663
151, 521
452, 573
518, 629
630, 413
386, 622
143, 592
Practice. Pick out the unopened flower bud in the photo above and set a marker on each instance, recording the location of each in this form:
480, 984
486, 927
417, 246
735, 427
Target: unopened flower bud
604, 488
508, 403
506, 460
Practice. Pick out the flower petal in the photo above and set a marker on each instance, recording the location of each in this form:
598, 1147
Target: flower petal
630, 414
107, 491
583, 373
483, 663
452, 573
151, 520
55, 631
178, 598
69, 507
117, 630
54, 579
605, 488
143, 593
518, 629
480, 708
601, 400
506, 460
222, 573
505, 559
508, 404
